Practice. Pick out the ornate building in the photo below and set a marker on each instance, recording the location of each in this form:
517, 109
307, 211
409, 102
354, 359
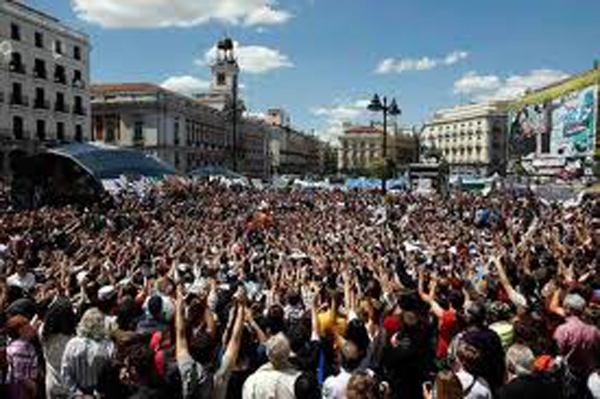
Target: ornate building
471, 138
361, 146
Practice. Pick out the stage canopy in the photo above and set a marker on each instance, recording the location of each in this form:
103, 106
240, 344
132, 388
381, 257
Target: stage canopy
75, 172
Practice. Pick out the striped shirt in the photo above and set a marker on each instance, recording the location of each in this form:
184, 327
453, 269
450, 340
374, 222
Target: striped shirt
83, 362
22, 361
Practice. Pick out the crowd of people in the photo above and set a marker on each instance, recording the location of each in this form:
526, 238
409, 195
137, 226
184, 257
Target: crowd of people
197, 290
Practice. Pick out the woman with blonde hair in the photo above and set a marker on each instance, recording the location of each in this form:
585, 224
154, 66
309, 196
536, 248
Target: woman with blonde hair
87, 355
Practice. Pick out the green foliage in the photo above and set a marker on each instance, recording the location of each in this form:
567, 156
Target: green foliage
380, 169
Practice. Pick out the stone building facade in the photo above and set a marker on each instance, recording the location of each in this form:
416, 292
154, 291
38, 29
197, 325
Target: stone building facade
362, 146
44, 83
472, 138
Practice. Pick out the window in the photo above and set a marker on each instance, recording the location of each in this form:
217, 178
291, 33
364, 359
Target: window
39, 69
110, 130
78, 133
16, 63
78, 107
77, 53
15, 32
58, 47
176, 133
221, 79
60, 74
60, 131
41, 130
40, 98
77, 79
39, 40
18, 127
59, 105
138, 131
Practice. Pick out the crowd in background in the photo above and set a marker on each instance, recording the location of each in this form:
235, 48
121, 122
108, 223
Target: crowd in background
197, 290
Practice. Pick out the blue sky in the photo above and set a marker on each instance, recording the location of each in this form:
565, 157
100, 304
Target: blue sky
322, 59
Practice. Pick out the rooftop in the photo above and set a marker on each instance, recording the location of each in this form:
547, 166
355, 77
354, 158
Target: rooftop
42, 18
126, 88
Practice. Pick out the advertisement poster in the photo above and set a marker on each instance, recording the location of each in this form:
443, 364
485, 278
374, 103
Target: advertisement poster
573, 124
526, 126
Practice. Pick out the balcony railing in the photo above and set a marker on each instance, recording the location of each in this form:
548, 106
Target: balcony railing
78, 110
40, 74
41, 104
16, 99
19, 134
78, 83
61, 107
17, 67
60, 79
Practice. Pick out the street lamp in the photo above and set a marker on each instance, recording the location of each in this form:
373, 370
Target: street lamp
392, 109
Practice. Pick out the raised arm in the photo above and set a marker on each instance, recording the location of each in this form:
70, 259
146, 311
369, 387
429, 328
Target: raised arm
181, 345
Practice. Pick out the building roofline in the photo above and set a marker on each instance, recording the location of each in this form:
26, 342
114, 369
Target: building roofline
32, 13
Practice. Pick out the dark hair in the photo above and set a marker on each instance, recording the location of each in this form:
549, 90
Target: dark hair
307, 386
202, 348
155, 305
127, 314
60, 319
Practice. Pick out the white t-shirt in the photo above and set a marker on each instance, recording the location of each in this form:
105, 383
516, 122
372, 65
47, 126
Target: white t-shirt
26, 283
474, 388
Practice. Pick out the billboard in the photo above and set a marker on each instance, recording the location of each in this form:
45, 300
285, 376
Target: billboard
564, 127
574, 124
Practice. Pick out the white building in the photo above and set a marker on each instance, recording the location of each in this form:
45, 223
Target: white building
44, 76
472, 138
173, 127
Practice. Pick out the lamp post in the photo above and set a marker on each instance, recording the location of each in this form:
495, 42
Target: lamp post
392, 109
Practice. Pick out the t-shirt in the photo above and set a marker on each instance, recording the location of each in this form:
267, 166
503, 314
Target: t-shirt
196, 381
445, 333
26, 283
474, 387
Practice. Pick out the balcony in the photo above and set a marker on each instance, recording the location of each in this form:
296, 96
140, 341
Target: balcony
40, 74
61, 107
78, 84
16, 67
19, 134
41, 104
61, 79
79, 110
18, 99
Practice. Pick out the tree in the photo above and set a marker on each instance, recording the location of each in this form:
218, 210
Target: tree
380, 169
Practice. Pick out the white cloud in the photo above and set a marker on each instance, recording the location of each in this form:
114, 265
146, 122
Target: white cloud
267, 16
455, 57
187, 85
342, 112
178, 13
252, 59
400, 65
335, 116
493, 87
473, 82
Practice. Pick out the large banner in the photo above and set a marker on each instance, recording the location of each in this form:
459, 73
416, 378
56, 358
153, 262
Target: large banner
573, 124
562, 128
